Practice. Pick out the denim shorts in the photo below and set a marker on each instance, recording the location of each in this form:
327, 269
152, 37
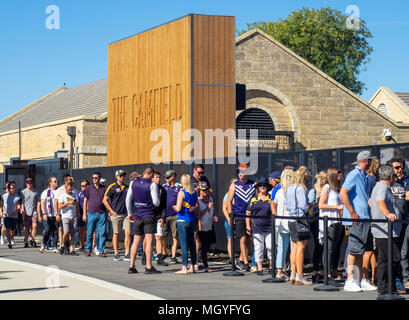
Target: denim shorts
360, 238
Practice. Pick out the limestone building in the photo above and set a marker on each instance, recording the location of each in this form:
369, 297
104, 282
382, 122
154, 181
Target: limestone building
392, 104
44, 126
283, 93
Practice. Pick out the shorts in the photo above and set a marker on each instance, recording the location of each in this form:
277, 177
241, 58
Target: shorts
170, 223
120, 222
146, 226
292, 226
10, 223
159, 230
241, 228
69, 224
227, 228
360, 239
30, 220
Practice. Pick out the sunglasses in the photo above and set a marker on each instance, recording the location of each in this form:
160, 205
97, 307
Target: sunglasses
95, 178
83, 186
200, 172
29, 182
397, 168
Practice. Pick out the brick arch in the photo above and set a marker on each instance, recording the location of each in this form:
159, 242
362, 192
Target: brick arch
284, 100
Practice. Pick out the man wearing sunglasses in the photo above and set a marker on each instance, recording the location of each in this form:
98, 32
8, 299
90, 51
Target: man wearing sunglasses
94, 212
30, 206
400, 191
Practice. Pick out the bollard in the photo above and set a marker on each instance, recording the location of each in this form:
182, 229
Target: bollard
233, 272
273, 278
326, 286
390, 295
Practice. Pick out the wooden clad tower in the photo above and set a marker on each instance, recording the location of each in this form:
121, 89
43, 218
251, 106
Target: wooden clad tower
176, 77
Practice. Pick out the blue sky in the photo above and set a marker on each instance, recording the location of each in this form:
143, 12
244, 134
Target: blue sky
35, 61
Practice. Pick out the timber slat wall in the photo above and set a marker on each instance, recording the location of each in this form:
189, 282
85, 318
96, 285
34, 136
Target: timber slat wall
150, 86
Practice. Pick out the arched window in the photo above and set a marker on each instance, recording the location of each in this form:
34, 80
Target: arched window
382, 109
254, 118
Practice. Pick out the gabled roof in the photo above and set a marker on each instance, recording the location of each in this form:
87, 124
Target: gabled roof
404, 96
401, 99
252, 32
86, 100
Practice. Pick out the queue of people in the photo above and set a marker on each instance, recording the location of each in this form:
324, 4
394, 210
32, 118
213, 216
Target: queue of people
147, 212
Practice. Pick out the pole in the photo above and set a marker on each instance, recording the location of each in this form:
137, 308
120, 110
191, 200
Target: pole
233, 272
273, 278
326, 286
390, 295
19, 140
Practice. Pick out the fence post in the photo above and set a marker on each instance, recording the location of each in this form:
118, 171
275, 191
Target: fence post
326, 286
273, 278
390, 295
233, 272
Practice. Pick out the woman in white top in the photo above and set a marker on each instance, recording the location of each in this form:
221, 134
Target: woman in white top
279, 209
330, 205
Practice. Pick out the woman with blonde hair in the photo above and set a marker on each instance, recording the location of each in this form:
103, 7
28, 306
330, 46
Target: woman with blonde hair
186, 207
373, 174
313, 199
279, 209
296, 202
330, 205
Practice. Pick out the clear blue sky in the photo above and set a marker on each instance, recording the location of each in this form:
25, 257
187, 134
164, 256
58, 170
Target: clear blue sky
35, 61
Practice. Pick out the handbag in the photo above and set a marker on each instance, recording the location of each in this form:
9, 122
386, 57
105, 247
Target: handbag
302, 227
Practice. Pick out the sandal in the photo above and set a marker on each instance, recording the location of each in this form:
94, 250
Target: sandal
42, 249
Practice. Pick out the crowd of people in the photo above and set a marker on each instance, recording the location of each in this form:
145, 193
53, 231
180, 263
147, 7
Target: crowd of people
147, 212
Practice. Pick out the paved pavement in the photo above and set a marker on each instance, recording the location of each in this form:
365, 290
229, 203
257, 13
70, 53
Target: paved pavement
102, 278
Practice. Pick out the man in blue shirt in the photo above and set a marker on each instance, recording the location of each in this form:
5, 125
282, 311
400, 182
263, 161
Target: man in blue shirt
275, 183
354, 195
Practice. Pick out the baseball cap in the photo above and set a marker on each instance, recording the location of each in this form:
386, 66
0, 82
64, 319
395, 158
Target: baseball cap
203, 185
120, 172
170, 173
366, 154
275, 175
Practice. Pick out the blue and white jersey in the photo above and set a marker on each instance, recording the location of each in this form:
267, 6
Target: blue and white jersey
242, 196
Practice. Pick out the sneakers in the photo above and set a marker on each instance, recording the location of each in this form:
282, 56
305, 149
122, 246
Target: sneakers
151, 270
26, 245
259, 272
352, 286
117, 257
34, 244
87, 253
12, 242
132, 270
174, 260
62, 250
162, 262
2, 240
73, 253
254, 269
240, 265
366, 286
248, 269
102, 255
127, 257
10, 246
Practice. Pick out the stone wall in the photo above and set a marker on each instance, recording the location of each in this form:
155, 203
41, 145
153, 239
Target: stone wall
324, 114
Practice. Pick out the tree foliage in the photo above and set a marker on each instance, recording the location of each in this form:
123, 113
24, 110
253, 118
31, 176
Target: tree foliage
322, 38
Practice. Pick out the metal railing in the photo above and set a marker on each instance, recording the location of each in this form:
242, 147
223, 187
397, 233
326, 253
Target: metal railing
326, 287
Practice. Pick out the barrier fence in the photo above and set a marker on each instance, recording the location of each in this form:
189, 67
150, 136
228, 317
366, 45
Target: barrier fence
390, 295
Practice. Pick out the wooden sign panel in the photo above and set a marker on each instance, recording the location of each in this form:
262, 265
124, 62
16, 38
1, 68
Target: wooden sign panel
169, 80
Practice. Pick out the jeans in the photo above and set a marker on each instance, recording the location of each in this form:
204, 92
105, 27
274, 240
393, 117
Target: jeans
284, 240
404, 239
204, 237
106, 232
186, 237
50, 230
96, 221
382, 245
335, 237
318, 249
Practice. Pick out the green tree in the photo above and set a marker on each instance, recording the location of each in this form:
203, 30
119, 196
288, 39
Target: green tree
321, 36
